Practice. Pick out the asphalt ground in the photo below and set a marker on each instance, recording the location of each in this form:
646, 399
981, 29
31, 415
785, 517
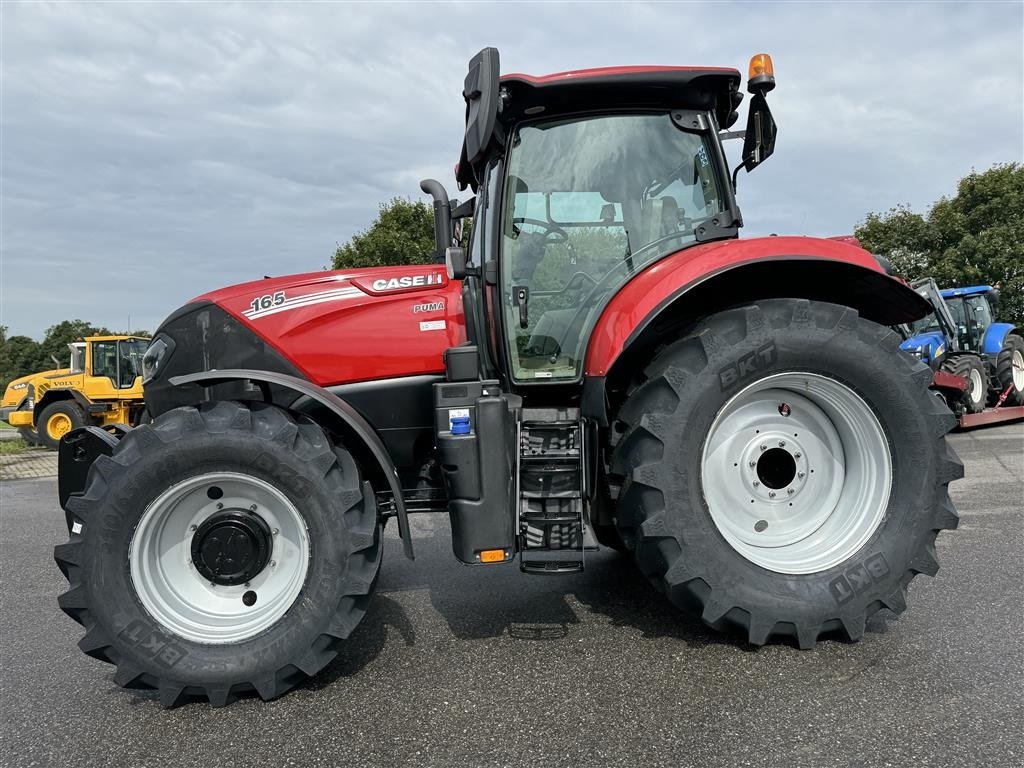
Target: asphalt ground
455, 666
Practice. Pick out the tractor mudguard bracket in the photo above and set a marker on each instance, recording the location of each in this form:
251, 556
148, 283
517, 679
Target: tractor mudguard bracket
77, 451
349, 415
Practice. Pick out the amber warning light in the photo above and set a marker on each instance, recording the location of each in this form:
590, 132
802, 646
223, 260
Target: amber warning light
761, 75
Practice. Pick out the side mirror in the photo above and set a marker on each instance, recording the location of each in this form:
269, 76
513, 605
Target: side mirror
481, 90
455, 261
759, 142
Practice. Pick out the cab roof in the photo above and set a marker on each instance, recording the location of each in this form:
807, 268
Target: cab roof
970, 290
114, 337
522, 96
711, 88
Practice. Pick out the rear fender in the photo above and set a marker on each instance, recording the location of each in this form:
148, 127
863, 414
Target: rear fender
327, 409
700, 280
995, 337
661, 303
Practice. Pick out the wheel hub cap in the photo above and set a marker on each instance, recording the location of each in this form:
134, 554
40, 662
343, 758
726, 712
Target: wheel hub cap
796, 472
231, 547
58, 426
219, 557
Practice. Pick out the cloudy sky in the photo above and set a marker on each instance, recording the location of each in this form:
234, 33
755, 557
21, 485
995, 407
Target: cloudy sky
152, 151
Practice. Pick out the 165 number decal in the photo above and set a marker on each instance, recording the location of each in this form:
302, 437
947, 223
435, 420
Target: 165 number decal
267, 301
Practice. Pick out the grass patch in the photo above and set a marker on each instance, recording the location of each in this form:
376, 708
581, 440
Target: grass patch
5, 425
11, 447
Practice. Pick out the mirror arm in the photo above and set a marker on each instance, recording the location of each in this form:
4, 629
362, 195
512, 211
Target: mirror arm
736, 173
442, 217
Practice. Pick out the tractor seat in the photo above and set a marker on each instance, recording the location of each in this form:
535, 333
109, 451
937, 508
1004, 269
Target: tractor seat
659, 218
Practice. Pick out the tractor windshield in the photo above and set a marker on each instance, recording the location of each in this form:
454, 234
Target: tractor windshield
588, 203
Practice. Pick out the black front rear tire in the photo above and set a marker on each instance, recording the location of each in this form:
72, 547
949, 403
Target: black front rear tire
289, 452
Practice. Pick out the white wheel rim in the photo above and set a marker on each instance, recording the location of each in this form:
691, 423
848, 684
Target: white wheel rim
977, 386
174, 592
1017, 361
797, 493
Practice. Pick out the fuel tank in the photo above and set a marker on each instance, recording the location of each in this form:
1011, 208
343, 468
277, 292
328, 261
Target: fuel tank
338, 327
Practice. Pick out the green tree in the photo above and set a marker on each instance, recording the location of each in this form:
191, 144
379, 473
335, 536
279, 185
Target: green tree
974, 237
20, 355
402, 233
55, 343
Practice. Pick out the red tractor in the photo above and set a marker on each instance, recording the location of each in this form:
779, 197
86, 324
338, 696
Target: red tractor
607, 364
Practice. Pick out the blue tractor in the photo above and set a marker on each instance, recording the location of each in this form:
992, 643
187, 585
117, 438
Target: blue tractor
961, 337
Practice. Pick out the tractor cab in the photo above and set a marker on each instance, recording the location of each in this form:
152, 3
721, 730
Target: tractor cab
583, 179
973, 313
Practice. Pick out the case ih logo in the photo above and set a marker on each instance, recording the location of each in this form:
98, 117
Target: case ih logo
409, 281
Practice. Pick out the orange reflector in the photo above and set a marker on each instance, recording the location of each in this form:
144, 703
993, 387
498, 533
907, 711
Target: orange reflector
492, 555
760, 64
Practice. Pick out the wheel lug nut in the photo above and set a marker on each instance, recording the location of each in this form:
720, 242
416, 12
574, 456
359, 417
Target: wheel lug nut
797, 455
252, 508
756, 483
791, 491
274, 531
220, 505
771, 494
800, 475
782, 443
192, 527
272, 564
764, 447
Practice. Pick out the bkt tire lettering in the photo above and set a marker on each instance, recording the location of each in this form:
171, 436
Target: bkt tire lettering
857, 578
747, 365
152, 645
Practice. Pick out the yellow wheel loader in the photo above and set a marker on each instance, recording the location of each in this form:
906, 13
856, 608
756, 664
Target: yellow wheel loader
102, 386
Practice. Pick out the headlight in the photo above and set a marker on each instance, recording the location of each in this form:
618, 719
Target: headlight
152, 360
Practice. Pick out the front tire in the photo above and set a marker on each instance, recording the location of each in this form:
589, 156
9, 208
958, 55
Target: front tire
971, 369
30, 436
57, 419
220, 550
695, 437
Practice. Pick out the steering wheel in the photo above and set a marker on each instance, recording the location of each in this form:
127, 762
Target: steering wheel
553, 233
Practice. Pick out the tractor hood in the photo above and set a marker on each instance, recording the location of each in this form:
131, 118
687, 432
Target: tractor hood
330, 327
927, 346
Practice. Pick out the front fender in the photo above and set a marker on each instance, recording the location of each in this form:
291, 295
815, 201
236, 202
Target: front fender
708, 278
342, 410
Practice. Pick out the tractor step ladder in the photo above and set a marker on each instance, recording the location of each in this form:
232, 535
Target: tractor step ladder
552, 521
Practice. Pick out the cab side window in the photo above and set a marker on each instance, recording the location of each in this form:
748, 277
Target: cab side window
104, 360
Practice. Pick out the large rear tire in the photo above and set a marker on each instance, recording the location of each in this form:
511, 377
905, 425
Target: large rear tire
1010, 370
784, 470
220, 550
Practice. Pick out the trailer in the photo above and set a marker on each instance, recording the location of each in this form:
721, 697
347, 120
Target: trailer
951, 388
